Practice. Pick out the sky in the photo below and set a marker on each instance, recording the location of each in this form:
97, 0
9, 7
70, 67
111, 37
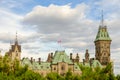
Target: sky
40, 24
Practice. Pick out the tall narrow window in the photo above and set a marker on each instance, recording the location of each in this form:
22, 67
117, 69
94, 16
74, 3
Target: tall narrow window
62, 67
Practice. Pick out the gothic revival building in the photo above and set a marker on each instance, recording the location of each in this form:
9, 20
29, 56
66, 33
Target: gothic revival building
60, 63
102, 44
15, 51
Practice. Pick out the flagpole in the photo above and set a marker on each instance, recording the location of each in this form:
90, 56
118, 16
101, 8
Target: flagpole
60, 46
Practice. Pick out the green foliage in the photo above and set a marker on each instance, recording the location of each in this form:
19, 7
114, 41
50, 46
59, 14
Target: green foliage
54, 76
118, 77
97, 73
11, 70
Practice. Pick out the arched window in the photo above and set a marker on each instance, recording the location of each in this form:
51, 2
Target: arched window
62, 67
54, 68
104, 54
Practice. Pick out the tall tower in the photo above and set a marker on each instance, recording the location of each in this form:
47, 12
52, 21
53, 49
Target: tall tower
15, 51
102, 44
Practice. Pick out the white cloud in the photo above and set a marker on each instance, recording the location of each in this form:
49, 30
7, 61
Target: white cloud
60, 22
9, 22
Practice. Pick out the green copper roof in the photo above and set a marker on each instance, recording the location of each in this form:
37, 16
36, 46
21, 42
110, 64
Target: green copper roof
96, 63
42, 66
26, 61
102, 34
36, 65
76, 67
60, 56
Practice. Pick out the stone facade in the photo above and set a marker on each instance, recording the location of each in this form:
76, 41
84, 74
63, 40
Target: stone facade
60, 63
15, 51
102, 46
103, 52
76, 59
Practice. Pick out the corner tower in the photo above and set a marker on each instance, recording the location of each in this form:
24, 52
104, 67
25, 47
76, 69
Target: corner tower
15, 51
102, 44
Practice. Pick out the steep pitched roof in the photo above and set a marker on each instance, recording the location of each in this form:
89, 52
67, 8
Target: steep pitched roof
26, 61
76, 67
18, 46
60, 56
42, 66
96, 63
35, 65
102, 34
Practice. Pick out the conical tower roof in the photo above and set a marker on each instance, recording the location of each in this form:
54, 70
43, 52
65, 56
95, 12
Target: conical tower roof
16, 40
102, 32
61, 56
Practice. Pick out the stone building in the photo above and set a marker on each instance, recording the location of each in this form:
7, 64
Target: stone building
15, 50
59, 63
102, 48
102, 44
76, 59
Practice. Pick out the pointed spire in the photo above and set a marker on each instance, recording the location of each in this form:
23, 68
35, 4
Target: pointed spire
102, 20
102, 31
16, 40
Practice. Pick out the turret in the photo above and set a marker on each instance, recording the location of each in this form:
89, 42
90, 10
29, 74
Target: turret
87, 56
102, 44
31, 60
77, 58
39, 60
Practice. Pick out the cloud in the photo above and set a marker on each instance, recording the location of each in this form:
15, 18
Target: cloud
55, 16
61, 22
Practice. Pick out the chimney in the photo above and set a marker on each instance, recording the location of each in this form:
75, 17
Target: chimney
87, 56
70, 56
34, 60
31, 60
77, 56
51, 55
39, 60
84, 61
86, 50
